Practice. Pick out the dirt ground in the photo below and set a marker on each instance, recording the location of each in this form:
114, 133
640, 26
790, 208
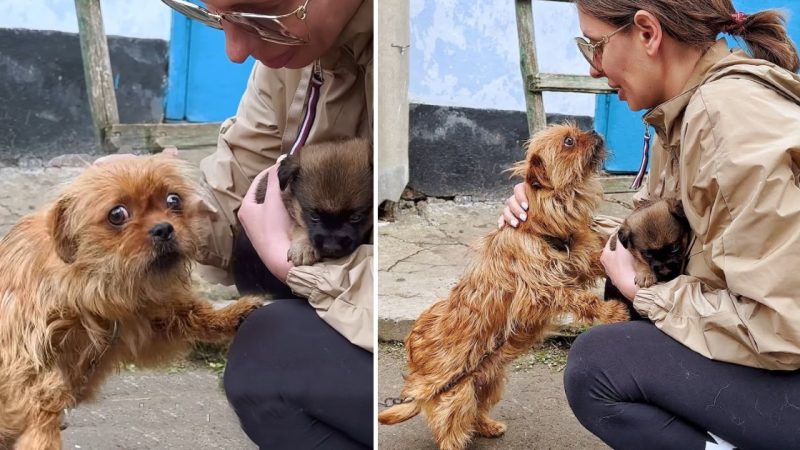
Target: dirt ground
534, 406
178, 408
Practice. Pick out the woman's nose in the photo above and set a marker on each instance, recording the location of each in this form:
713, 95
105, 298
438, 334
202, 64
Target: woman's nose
594, 73
238, 43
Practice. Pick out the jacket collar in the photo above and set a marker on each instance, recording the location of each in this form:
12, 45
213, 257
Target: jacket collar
663, 117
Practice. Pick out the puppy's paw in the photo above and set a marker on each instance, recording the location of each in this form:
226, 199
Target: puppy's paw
490, 428
645, 279
302, 254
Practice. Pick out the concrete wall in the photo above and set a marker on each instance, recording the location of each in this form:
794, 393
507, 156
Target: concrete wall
131, 18
44, 110
465, 53
464, 151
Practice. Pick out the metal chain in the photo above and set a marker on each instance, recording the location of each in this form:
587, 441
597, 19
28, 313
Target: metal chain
393, 401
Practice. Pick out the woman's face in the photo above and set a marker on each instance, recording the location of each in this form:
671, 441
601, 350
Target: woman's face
624, 62
324, 22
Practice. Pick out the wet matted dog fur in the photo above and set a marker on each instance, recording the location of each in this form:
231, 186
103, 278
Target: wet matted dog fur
97, 279
512, 293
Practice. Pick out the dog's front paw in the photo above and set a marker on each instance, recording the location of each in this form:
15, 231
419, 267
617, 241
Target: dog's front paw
244, 306
490, 428
302, 254
644, 279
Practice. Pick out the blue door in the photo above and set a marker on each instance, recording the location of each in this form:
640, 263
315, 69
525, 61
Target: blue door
624, 129
203, 85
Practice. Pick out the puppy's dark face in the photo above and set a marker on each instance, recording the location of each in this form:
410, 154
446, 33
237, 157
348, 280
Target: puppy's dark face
657, 234
330, 188
130, 219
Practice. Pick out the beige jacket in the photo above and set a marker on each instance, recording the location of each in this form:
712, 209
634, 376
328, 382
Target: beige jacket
729, 147
265, 126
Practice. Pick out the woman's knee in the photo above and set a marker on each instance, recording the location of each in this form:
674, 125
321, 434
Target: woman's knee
593, 354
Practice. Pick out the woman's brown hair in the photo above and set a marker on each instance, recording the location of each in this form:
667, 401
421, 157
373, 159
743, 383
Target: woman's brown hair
698, 22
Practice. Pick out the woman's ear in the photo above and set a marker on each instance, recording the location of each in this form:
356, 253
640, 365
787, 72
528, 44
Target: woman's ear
648, 31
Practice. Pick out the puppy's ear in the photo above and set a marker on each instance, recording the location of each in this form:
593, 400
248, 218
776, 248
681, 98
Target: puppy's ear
624, 236
537, 174
288, 171
676, 209
57, 221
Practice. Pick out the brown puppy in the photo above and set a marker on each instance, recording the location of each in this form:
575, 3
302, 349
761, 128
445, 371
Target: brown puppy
657, 234
512, 293
327, 190
97, 279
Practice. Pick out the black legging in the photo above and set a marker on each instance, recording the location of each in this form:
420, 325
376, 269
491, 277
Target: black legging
635, 387
296, 383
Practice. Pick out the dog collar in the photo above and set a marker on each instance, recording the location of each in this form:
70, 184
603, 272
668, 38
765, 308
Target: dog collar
558, 243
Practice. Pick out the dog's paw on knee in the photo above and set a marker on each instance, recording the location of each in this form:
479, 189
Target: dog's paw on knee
245, 306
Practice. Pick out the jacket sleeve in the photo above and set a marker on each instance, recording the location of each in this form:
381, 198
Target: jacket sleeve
739, 167
342, 293
248, 143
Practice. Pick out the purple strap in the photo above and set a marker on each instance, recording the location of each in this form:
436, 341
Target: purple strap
311, 113
637, 182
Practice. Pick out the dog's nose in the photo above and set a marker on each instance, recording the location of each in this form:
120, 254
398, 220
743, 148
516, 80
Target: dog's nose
331, 248
162, 232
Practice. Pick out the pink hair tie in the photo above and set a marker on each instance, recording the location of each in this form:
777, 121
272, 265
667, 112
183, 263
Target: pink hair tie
738, 19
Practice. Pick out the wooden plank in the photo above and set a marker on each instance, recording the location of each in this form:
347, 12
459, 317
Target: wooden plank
154, 137
97, 66
552, 82
529, 65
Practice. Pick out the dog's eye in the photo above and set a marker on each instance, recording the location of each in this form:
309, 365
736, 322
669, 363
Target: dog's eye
676, 249
569, 142
118, 215
355, 218
174, 201
314, 217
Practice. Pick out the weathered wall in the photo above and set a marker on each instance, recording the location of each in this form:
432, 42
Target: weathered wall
43, 102
464, 151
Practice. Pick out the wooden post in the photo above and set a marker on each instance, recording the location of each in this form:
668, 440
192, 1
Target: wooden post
97, 68
529, 65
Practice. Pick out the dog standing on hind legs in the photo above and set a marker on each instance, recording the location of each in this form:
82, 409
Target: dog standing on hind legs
512, 293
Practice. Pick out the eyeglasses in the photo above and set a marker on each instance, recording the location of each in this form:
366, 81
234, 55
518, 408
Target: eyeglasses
270, 28
594, 52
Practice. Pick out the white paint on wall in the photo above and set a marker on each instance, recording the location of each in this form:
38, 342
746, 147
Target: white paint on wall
132, 18
465, 53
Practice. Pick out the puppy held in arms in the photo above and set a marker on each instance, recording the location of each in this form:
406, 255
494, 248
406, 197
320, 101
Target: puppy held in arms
327, 190
97, 279
512, 294
656, 233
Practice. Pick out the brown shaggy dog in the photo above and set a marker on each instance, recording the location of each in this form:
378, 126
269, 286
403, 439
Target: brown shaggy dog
512, 293
97, 279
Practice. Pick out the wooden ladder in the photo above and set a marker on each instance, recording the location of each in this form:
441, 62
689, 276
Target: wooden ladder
115, 136
535, 82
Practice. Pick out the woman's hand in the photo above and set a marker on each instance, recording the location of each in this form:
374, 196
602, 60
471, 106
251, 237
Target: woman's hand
516, 206
268, 224
619, 268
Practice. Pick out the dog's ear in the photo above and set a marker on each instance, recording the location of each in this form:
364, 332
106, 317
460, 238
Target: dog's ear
624, 236
58, 224
676, 209
536, 175
288, 171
